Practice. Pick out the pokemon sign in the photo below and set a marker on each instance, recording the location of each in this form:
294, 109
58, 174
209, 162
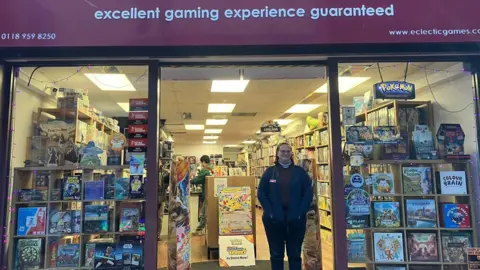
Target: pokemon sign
394, 90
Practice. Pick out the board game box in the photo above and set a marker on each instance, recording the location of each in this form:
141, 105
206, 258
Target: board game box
29, 254
421, 213
388, 247
31, 221
455, 245
417, 180
456, 215
387, 214
422, 247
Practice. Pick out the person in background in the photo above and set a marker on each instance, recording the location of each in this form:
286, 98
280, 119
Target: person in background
285, 193
205, 171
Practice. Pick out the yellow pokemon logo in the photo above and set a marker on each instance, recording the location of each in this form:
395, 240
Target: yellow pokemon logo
236, 251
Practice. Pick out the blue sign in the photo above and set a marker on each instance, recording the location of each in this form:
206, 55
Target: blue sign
394, 90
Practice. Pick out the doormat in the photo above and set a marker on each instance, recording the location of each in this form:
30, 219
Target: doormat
261, 265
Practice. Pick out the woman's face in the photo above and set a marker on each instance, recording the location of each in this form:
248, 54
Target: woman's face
284, 153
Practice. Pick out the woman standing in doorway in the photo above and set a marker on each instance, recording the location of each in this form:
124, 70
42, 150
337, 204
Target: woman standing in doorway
285, 192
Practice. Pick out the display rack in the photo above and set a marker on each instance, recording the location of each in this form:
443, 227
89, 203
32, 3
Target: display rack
405, 115
25, 178
395, 167
316, 145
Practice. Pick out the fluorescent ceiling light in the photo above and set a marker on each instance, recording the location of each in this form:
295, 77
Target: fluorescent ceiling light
283, 122
258, 131
194, 127
216, 122
209, 142
111, 82
229, 86
344, 84
210, 137
124, 105
249, 142
221, 108
302, 108
213, 131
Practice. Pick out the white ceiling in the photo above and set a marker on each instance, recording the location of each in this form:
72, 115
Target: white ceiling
270, 93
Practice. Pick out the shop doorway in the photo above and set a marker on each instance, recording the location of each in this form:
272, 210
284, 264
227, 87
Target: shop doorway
220, 112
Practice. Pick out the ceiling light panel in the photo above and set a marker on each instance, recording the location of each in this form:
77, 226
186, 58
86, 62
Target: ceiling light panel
344, 84
216, 122
302, 108
249, 142
229, 86
213, 131
124, 105
111, 82
209, 142
283, 122
194, 127
220, 108
210, 137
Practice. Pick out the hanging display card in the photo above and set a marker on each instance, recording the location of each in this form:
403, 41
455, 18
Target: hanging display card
453, 182
235, 211
348, 115
236, 250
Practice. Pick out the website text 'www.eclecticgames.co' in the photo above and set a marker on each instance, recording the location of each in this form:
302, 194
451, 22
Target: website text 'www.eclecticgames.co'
435, 32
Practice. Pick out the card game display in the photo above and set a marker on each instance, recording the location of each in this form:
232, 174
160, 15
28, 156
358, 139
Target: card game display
179, 241
137, 163
235, 211
421, 213
122, 188
31, 221
386, 214
388, 247
422, 247
386, 135
456, 215
29, 254
417, 180
453, 182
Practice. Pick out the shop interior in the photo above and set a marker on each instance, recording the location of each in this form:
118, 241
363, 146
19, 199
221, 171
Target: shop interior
221, 112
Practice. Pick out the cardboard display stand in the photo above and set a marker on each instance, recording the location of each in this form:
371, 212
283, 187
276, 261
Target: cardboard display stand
212, 230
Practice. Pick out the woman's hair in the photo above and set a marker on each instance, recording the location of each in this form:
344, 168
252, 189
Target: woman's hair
278, 149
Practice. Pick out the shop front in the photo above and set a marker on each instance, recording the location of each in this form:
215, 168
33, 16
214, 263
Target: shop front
408, 71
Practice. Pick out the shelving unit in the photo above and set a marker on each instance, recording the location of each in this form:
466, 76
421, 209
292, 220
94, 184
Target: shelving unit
405, 115
395, 167
25, 179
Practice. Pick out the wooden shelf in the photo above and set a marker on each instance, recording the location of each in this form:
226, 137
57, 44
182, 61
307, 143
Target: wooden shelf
73, 168
413, 161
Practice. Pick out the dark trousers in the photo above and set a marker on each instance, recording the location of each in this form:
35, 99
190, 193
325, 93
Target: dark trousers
281, 234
